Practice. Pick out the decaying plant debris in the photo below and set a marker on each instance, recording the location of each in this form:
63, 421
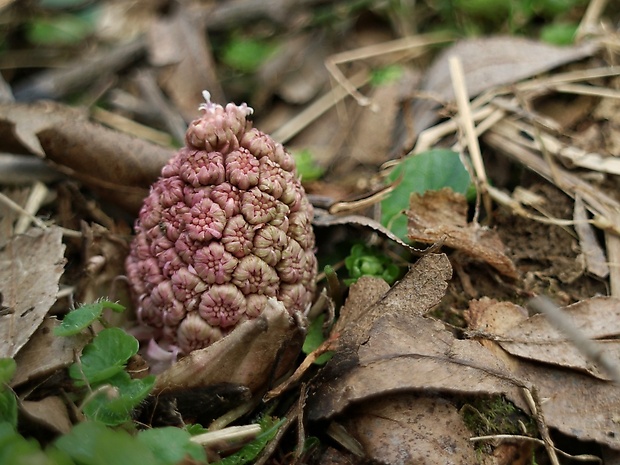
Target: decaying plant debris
537, 128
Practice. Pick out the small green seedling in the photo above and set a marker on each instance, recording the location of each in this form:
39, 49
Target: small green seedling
368, 261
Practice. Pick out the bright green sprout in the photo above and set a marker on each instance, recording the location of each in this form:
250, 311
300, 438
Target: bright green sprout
367, 261
307, 168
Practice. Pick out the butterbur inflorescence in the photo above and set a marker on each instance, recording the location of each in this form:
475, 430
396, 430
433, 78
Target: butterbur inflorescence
226, 226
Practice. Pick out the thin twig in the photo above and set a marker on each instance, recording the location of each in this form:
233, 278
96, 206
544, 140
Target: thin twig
19, 209
370, 51
520, 438
37, 195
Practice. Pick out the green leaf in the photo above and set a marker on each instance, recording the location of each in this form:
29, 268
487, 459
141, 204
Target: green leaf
8, 408
171, 445
386, 75
8, 401
559, 34
61, 29
307, 167
246, 54
7, 370
82, 317
430, 170
91, 443
195, 429
114, 403
314, 338
17, 450
486, 9
105, 357
555, 8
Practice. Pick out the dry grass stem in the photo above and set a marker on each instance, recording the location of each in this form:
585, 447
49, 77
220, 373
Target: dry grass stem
467, 123
37, 196
230, 434
319, 107
129, 126
519, 438
429, 137
549, 83
591, 19
419, 42
22, 211
580, 89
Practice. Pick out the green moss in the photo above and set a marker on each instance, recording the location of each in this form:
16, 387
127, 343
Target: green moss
488, 416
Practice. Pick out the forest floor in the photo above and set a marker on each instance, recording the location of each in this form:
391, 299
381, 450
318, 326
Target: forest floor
466, 155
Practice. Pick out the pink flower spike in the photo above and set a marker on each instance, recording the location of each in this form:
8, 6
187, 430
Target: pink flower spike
225, 227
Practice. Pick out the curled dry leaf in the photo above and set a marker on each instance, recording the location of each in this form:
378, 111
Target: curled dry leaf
576, 404
32, 264
118, 166
324, 218
393, 348
536, 339
442, 215
255, 354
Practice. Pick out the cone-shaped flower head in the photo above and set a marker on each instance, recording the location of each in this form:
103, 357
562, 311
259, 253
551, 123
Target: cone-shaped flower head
226, 226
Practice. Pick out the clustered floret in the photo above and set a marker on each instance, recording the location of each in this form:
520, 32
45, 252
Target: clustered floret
226, 226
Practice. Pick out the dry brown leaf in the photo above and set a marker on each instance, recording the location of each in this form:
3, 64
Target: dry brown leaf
50, 412
366, 291
367, 143
407, 429
487, 62
32, 264
536, 339
575, 404
119, 166
442, 215
253, 355
579, 405
391, 348
46, 353
416, 294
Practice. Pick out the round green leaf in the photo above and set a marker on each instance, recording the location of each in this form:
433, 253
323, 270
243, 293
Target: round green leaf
105, 356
